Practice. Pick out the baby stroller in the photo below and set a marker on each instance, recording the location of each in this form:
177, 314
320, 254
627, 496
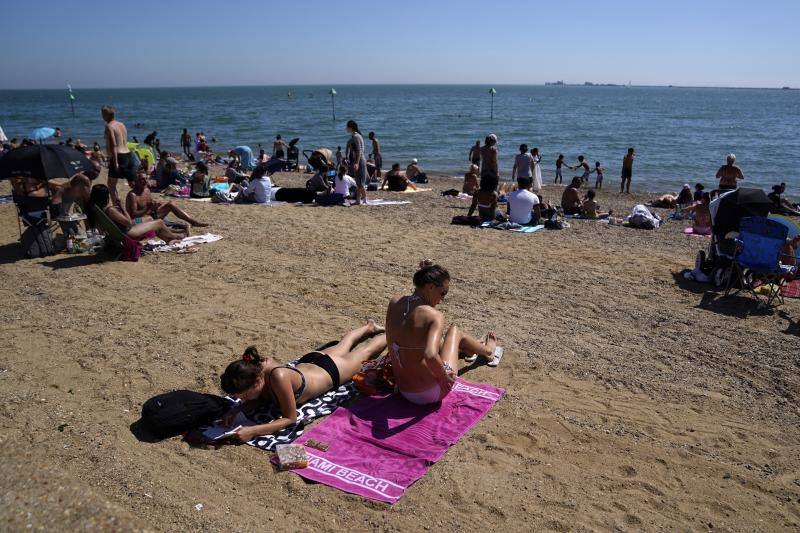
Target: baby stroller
727, 212
319, 158
293, 155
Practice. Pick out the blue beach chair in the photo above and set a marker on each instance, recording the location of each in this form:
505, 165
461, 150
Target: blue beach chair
757, 259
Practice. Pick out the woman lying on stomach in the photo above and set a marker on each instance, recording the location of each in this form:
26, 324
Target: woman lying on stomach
259, 379
424, 357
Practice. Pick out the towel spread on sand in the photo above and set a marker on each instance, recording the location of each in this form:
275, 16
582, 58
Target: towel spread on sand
412, 191
381, 201
160, 246
510, 226
322, 406
381, 445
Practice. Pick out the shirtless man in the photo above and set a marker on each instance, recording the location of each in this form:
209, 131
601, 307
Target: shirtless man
376, 154
140, 204
571, 200
729, 173
583, 166
121, 164
424, 356
627, 171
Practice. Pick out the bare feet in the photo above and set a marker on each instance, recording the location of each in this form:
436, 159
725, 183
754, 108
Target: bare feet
490, 341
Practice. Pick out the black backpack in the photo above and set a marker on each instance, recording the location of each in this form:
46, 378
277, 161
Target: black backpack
176, 412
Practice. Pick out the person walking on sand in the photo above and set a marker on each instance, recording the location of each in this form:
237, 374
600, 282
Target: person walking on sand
728, 174
475, 154
536, 170
121, 163
357, 160
489, 155
627, 171
186, 143
376, 154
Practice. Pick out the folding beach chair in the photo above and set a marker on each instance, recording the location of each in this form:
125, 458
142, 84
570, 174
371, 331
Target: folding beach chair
114, 237
757, 259
33, 214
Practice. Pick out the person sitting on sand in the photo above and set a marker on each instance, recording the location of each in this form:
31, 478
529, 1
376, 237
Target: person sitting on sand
780, 205
485, 201
149, 229
523, 206
342, 183
571, 199
699, 188
591, 209
200, 181
685, 197
256, 379
140, 205
413, 172
471, 180
425, 357
319, 181
728, 174
256, 190
397, 181
233, 172
702, 215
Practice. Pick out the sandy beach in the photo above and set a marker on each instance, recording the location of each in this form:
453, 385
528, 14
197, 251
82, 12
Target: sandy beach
635, 400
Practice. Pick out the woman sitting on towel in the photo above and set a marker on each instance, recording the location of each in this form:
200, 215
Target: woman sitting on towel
255, 378
137, 229
485, 200
424, 356
398, 182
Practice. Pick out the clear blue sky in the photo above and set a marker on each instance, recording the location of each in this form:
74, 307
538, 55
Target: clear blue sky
181, 43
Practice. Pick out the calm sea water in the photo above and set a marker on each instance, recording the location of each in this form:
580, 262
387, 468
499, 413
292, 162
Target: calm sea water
680, 134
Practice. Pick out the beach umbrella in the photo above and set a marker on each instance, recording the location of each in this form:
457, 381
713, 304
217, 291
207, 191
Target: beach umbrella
492, 92
729, 208
792, 226
40, 134
46, 162
332, 92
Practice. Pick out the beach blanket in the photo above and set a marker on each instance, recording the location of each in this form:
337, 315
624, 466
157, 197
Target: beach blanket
412, 191
6, 198
381, 445
510, 226
381, 201
791, 289
309, 411
160, 246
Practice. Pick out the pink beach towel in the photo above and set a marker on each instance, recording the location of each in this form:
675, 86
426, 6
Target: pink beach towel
383, 444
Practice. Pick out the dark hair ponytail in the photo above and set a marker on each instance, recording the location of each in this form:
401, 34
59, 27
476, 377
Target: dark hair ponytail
430, 273
240, 375
353, 126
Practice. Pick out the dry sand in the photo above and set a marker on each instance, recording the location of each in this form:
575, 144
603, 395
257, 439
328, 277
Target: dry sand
635, 401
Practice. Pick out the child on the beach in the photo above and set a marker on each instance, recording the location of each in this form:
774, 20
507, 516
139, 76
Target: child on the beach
598, 170
584, 167
559, 164
339, 156
591, 209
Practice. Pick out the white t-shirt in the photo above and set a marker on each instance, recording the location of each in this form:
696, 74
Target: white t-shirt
342, 185
521, 203
260, 189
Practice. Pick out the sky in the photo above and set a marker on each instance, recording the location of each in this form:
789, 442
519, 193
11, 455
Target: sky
92, 44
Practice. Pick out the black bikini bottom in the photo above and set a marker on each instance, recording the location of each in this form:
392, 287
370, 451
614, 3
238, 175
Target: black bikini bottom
323, 361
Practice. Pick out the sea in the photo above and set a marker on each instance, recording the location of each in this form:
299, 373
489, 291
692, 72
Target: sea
681, 135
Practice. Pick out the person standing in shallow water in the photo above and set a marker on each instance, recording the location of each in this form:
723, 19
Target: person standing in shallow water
627, 171
357, 160
475, 154
376, 154
186, 142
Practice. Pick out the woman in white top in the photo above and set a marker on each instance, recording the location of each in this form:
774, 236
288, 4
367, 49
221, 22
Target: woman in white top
537, 171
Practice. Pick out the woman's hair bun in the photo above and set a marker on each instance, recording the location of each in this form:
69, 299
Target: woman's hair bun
250, 355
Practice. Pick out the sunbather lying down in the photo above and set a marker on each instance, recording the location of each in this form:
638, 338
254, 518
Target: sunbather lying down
256, 379
424, 357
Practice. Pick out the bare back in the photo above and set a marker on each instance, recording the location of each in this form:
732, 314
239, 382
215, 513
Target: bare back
409, 326
116, 135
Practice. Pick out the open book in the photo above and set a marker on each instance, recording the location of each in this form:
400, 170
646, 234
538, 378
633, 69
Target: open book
219, 431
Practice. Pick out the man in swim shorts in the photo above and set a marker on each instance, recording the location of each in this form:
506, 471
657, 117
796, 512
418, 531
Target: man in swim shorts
627, 171
121, 163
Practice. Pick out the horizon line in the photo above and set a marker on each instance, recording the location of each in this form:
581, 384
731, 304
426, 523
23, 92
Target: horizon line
546, 84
